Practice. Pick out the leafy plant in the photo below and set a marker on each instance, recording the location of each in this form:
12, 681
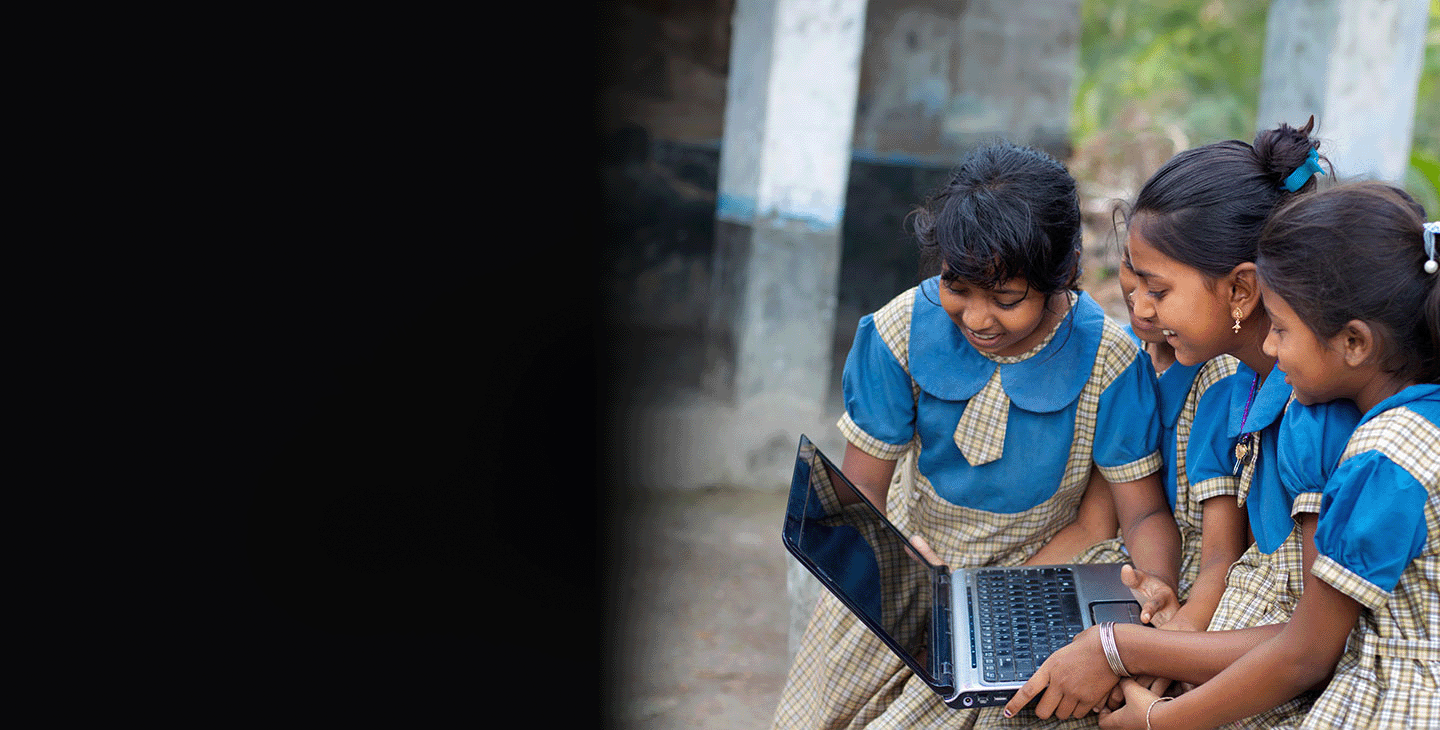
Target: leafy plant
1158, 76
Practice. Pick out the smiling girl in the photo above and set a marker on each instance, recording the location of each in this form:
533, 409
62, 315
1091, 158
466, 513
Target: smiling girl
1367, 332
1212, 526
1192, 238
977, 405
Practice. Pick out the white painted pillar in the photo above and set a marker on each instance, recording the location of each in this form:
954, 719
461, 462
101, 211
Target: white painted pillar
784, 171
1355, 65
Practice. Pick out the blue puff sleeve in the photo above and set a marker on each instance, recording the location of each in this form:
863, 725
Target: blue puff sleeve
1210, 451
876, 387
1311, 440
1372, 523
1127, 433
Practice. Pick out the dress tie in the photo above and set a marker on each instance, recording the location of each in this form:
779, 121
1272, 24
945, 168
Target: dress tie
980, 435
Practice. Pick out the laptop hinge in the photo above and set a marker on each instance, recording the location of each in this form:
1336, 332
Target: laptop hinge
943, 630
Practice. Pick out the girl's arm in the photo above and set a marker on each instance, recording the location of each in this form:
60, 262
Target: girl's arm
1150, 534
1095, 522
1300, 656
1223, 540
1078, 678
869, 474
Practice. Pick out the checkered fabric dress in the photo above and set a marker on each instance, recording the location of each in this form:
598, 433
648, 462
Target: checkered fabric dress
1389, 675
1263, 589
1189, 499
844, 677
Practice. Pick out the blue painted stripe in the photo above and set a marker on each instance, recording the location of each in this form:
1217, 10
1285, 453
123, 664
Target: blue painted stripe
743, 210
734, 208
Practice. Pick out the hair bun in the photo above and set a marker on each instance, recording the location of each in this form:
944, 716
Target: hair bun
1284, 149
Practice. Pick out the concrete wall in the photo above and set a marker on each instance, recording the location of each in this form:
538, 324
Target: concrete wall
921, 101
942, 76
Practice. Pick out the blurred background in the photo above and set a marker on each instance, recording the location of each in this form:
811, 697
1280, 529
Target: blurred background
758, 160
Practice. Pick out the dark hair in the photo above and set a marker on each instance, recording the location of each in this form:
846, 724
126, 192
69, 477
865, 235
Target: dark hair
1356, 251
1007, 211
1206, 205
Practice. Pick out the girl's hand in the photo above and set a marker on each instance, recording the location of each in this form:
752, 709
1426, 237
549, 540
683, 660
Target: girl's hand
927, 552
1158, 602
1157, 685
1182, 621
1132, 714
1075, 680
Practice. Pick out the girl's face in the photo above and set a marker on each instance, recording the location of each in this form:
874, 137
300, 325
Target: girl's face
1192, 313
1313, 367
1130, 288
1008, 320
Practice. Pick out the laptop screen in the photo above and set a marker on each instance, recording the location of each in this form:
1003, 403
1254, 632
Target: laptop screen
860, 557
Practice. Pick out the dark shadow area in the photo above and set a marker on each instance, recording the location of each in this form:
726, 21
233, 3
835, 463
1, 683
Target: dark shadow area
407, 389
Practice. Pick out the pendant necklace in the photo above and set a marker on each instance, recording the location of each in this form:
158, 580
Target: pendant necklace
1245, 447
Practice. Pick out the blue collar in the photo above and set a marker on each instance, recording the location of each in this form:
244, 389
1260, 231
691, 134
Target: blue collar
1423, 391
943, 363
1174, 388
1174, 384
1270, 400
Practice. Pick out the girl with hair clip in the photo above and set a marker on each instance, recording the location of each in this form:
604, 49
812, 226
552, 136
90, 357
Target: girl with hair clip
1366, 332
977, 406
1192, 240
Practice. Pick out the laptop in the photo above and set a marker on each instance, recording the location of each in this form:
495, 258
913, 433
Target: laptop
973, 635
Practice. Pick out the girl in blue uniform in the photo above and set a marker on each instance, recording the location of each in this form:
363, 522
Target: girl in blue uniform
977, 405
1192, 239
1207, 552
1367, 332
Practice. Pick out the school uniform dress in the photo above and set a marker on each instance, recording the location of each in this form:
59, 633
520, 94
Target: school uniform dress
993, 456
1296, 449
1181, 388
1378, 541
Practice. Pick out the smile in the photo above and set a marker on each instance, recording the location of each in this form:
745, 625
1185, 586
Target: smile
978, 336
1167, 333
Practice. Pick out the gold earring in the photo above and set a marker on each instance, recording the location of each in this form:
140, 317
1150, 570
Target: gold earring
1238, 315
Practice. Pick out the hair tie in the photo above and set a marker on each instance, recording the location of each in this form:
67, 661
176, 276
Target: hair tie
1432, 229
1304, 172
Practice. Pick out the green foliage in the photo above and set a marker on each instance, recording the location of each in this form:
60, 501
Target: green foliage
1422, 180
1188, 72
1187, 65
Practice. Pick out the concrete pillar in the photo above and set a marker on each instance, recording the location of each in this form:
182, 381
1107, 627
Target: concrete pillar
784, 168
1355, 65
942, 76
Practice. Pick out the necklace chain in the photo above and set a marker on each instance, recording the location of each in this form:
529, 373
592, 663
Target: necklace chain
1244, 446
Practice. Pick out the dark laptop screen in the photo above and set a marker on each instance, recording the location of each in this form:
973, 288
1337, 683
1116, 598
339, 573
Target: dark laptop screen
860, 557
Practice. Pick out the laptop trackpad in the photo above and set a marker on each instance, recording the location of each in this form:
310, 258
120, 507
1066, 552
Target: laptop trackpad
1124, 612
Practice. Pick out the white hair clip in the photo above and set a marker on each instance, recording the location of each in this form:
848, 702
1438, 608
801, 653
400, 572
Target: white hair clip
1432, 229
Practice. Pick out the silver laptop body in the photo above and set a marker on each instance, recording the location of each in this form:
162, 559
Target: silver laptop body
973, 635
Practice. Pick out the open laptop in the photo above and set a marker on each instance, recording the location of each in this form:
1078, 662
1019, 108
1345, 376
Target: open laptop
973, 635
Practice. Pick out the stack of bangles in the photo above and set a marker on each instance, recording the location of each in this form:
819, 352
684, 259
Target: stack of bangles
1112, 656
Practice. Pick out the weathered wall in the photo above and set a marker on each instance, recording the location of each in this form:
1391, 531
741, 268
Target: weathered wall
941, 76
932, 83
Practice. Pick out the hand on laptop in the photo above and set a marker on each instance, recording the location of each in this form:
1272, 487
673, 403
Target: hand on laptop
1073, 682
1158, 602
925, 550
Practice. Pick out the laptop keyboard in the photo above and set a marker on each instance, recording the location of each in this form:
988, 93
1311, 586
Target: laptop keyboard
1025, 615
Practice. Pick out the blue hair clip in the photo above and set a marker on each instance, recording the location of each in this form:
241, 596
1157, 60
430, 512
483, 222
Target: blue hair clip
1304, 172
1432, 230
